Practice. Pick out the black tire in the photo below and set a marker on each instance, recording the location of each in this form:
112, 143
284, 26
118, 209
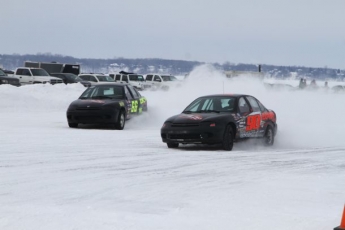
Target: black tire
228, 138
73, 125
269, 136
121, 121
172, 145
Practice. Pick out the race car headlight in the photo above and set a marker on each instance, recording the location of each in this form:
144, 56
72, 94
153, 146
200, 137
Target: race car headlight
109, 106
72, 107
166, 124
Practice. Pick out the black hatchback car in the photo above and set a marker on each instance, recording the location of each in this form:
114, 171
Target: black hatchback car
220, 119
106, 103
67, 78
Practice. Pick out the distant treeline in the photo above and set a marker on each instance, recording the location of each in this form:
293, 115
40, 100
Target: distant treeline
156, 65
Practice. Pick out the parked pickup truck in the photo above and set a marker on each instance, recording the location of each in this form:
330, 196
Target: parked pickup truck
136, 80
160, 82
27, 75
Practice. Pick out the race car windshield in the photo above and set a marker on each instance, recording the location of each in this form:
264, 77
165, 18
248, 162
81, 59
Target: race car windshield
211, 105
103, 92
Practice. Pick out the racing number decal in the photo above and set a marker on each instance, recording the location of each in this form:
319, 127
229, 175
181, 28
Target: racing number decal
142, 101
134, 106
268, 116
253, 122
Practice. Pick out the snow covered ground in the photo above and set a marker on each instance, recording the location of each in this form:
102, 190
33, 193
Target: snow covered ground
53, 177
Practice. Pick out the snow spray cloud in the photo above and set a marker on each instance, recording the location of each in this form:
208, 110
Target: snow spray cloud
306, 119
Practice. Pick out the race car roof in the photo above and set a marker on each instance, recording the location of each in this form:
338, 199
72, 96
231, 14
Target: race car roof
225, 94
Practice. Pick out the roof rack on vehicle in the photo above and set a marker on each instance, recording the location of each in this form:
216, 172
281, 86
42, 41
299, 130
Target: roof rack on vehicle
124, 72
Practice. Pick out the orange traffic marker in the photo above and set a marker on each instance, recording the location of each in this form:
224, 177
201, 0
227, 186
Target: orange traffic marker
342, 224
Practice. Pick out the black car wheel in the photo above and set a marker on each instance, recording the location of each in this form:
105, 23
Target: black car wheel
120, 124
145, 108
73, 125
228, 138
269, 136
172, 145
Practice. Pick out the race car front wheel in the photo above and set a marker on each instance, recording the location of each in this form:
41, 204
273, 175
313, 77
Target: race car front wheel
120, 124
228, 138
269, 136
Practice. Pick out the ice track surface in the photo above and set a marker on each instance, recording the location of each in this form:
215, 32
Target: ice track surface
53, 177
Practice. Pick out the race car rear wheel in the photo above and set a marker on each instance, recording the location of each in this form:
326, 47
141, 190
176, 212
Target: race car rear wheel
120, 124
269, 136
172, 145
228, 138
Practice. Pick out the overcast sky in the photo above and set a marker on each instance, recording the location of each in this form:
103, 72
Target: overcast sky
285, 32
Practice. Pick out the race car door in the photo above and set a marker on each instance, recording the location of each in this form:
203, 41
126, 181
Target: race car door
135, 100
254, 120
249, 124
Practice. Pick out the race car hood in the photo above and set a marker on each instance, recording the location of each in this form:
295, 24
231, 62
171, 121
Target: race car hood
93, 103
196, 117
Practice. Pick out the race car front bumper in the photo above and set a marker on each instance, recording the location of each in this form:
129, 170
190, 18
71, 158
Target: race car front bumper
102, 116
197, 134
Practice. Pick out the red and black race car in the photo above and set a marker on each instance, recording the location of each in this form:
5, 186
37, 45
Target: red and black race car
221, 119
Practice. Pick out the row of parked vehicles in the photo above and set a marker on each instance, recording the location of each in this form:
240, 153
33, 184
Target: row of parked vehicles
54, 73
140, 82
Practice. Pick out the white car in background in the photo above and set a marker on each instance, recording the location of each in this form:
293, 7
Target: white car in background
89, 79
136, 80
27, 76
161, 82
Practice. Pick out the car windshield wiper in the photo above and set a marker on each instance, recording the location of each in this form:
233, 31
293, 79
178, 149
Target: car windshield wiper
102, 97
202, 111
211, 111
198, 111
